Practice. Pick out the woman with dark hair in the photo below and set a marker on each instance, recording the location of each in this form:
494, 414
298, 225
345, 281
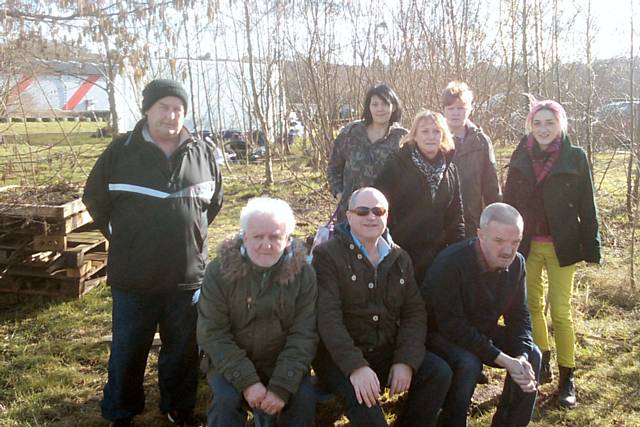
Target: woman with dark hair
422, 187
363, 146
549, 182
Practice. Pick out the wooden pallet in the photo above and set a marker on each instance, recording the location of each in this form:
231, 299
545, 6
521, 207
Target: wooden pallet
67, 287
53, 213
41, 251
67, 273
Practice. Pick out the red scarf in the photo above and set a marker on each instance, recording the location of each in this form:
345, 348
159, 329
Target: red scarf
543, 160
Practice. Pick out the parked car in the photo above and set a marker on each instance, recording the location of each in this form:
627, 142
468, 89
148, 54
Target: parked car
617, 113
612, 122
213, 138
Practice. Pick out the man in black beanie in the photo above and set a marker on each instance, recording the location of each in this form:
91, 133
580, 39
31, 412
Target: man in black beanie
153, 193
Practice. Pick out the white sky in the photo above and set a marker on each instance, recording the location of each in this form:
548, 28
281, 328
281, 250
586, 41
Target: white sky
613, 22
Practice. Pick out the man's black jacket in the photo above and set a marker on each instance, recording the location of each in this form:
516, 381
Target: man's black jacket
464, 302
155, 211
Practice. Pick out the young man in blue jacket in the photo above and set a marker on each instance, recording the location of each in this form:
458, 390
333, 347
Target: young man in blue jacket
470, 286
153, 194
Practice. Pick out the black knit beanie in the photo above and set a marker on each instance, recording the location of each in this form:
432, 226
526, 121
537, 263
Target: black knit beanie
159, 88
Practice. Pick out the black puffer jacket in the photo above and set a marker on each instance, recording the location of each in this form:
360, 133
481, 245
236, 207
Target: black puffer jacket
419, 225
569, 202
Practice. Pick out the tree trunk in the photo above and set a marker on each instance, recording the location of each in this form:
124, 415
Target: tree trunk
111, 91
268, 170
525, 54
631, 164
588, 106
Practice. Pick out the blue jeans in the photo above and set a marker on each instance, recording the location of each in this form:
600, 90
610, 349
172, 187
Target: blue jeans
515, 407
229, 409
135, 319
428, 389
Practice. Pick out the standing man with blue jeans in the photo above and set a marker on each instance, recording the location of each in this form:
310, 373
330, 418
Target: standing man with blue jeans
469, 287
153, 193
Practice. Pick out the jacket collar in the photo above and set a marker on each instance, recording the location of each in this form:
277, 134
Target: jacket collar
235, 266
472, 136
137, 135
358, 129
405, 153
343, 232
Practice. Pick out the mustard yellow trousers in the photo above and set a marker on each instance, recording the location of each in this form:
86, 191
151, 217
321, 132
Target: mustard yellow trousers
560, 288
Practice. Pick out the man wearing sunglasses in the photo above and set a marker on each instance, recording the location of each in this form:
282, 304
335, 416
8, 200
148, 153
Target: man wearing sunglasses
372, 321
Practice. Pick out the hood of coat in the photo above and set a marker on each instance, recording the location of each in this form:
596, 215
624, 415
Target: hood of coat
236, 266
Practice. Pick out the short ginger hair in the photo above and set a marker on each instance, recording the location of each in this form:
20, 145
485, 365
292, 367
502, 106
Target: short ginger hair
455, 91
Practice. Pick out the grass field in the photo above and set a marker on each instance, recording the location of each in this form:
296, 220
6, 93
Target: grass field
53, 363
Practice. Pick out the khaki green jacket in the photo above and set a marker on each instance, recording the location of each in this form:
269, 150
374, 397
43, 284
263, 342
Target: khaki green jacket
259, 324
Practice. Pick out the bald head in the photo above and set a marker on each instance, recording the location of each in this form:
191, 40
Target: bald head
367, 214
373, 192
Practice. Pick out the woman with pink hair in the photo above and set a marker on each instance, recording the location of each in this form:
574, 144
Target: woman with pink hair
549, 182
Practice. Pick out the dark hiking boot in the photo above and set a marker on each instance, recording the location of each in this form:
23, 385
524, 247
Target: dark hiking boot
546, 374
566, 388
183, 417
482, 378
126, 422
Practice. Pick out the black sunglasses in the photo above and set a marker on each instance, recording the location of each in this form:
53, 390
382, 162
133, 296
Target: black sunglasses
364, 211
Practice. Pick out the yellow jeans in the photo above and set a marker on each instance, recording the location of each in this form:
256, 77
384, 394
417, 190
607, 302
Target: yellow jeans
560, 288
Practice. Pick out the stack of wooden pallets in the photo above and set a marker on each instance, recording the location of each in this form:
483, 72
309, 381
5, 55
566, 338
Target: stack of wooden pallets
50, 250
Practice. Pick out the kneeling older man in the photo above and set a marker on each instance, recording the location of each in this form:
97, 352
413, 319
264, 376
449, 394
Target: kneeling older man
470, 286
372, 321
257, 321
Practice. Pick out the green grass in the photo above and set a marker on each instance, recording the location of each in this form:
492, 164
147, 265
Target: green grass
53, 365
34, 128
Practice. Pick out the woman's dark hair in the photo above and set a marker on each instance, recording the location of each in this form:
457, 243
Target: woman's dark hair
387, 94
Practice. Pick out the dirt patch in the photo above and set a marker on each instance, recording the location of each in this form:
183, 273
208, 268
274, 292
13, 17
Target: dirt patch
49, 195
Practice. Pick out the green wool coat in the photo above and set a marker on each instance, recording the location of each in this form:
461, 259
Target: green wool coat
569, 202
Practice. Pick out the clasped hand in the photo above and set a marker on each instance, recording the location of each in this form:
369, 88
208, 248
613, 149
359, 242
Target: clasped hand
258, 397
522, 374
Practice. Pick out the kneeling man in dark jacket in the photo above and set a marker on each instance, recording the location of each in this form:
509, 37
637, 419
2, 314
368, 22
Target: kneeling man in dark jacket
257, 322
469, 287
372, 321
